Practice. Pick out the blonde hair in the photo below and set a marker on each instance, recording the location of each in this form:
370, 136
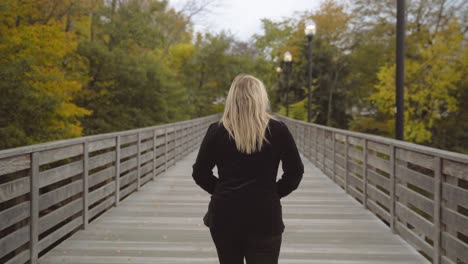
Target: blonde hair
246, 113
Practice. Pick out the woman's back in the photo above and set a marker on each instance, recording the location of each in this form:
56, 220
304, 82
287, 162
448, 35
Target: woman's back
246, 196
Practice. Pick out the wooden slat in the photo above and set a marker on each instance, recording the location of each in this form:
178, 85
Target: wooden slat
378, 147
413, 218
407, 196
455, 220
14, 240
353, 167
128, 165
128, 151
456, 169
419, 159
355, 154
53, 197
13, 189
147, 134
101, 160
146, 145
51, 219
128, 178
130, 188
60, 173
59, 233
14, 214
101, 144
455, 245
378, 179
418, 179
378, 196
378, 163
413, 239
13, 164
146, 157
101, 192
101, 207
456, 194
51, 155
21, 258
376, 209
125, 139
356, 141
100, 176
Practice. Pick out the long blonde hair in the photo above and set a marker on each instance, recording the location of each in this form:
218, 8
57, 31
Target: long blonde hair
246, 113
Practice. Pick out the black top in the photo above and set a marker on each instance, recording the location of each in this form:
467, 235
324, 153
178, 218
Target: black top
246, 196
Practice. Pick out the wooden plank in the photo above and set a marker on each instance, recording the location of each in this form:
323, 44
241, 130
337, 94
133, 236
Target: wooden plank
13, 189
147, 134
117, 171
14, 240
409, 216
355, 193
419, 159
14, 214
101, 144
128, 178
59, 233
454, 219
415, 178
85, 185
413, 239
56, 154
456, 194
378, 210
102, 175
125, 139
51, 219
355, 154
355, 168
35, 208
101, 207
146, 168
407, 196
101, 192
13, 164
146, 157
127, 190
375, 194
60, 173
455, 245
378, 179
20, 258
356, 141
128, 151
128, 165
101, 160
378, 147
378, 163
354, 181
53, 197
456, 169
437, 237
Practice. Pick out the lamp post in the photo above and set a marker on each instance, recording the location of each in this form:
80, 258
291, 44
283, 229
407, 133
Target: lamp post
309, 32
287, 59
400, 71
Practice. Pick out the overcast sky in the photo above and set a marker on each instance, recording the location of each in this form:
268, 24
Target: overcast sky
242, 17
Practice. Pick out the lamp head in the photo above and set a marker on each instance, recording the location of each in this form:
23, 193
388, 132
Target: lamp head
287, 56
310, 29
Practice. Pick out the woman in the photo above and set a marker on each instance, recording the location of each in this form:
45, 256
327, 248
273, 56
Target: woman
247, 145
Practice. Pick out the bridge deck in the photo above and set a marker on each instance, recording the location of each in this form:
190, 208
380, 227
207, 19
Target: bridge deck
162, 223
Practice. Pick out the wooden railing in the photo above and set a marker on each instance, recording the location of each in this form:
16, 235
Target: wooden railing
421, 193
49, 191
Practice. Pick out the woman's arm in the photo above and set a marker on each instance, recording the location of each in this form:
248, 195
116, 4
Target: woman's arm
205, 162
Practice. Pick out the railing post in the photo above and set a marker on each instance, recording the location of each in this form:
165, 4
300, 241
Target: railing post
437, 209
316, 147
175, 145
333, 157
392, 188
85, 184
364, 188
139, 161
34, 209
165, 149
346, 163
154, 154
324, 151
117, 171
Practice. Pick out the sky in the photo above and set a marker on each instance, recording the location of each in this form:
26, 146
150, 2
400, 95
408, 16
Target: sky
242, 18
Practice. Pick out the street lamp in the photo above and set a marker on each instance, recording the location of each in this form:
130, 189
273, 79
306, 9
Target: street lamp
400, 71
287, 59
309, 32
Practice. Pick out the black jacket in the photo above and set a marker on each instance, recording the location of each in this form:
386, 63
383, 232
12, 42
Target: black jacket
246, 196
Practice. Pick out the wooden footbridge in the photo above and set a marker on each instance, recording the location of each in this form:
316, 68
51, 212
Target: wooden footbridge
128, 197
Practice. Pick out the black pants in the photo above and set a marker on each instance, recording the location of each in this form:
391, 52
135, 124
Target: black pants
234, 247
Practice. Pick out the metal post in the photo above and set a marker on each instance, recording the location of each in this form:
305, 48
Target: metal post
400, 71
287, 92
85, 184
309, 78
117, 171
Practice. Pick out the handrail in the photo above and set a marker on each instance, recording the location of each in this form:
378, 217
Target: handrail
421, 193
49, 191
